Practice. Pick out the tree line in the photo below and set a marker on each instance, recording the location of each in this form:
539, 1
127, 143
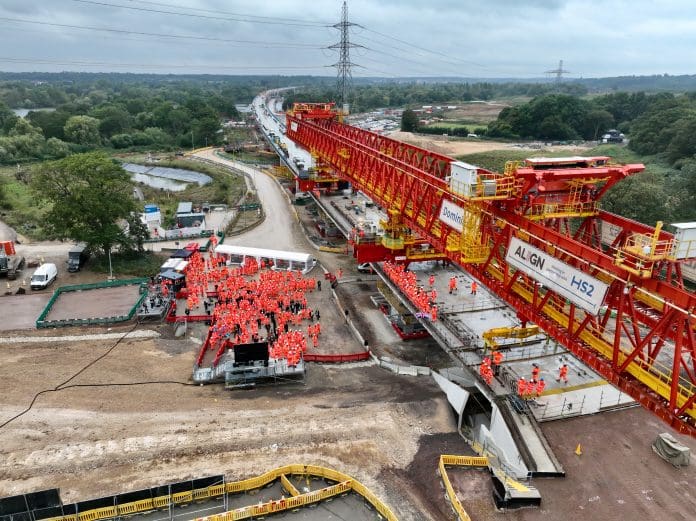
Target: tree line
90, 115
403, 94
662, 134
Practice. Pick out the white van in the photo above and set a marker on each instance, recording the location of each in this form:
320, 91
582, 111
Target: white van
44, 276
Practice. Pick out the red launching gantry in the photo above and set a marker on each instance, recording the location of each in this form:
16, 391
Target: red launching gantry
607, 288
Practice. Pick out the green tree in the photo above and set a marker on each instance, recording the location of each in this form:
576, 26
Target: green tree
82, 130
121, 141
51, 123
409, 121
90, 196
596, 122
683, 143
3, 197
641, 197
7, 118
23, 128
55, 148
112, 120
686, 186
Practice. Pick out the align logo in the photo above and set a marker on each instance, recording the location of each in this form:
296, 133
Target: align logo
452, 215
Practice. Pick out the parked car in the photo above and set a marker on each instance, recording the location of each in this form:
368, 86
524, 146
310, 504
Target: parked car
44, 276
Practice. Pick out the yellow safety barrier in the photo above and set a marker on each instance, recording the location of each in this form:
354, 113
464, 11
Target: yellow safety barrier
182, 497
280, 505
465, 461
287, 485
472, 461
454, 500
344, 483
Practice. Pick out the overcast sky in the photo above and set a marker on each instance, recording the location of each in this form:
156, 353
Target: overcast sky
467, 38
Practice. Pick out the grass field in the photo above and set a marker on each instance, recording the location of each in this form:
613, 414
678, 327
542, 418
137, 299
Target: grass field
495, 159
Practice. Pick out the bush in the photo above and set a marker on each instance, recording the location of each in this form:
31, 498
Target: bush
121, 141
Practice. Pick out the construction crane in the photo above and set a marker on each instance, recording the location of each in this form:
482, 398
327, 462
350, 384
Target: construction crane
533, 235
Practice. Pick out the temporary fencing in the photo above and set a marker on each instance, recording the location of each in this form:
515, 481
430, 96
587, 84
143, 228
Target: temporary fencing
42, 322
469, 461
342, 484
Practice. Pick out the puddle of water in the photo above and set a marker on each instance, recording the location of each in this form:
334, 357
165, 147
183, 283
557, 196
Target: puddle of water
172, 179
159, 182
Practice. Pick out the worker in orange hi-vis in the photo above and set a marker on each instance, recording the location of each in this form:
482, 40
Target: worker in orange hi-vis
488, 376
540, 386
452, 285
474, 287
521, 386
529, 391
497, 360
563, 374
482, 369
535, 373
431, 280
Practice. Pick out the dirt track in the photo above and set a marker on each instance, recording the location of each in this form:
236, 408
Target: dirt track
92, 441
446, 146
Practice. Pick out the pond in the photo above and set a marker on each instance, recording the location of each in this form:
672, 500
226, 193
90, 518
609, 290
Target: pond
22, 113
172, 179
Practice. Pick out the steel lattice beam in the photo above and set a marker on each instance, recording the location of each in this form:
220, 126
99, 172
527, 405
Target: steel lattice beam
645, 342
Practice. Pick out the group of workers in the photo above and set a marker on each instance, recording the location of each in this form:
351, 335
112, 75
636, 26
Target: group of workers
407, 282
249, 304
526, 389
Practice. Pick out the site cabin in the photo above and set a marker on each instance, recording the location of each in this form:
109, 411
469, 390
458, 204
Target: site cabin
44, 276
281, 260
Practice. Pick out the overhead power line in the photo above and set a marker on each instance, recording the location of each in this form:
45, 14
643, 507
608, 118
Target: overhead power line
424, 49
195, 15
246, 15
166, 35
153, 65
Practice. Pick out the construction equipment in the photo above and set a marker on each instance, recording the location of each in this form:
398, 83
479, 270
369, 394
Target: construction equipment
10, 262
610, 290
490, 336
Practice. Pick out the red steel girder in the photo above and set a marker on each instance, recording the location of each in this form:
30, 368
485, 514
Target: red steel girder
433, 163
401, 178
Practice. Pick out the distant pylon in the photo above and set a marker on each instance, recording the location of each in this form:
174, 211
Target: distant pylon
559, 72
343, 66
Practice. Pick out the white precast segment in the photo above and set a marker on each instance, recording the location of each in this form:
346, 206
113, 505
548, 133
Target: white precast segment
581, 289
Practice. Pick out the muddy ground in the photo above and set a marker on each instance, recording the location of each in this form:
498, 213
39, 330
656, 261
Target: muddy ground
93, 440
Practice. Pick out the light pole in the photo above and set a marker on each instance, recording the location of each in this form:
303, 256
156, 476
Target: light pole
111, 271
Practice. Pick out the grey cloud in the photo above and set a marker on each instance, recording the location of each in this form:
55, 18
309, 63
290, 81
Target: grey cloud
483, 38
